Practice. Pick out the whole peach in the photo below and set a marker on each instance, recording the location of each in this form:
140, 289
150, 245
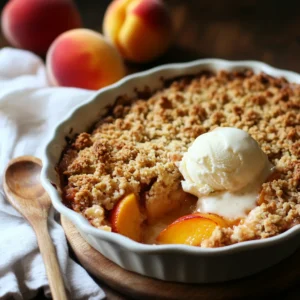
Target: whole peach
83, 58
34, 24
140, 29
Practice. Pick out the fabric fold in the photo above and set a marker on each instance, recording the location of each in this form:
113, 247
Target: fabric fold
29, 111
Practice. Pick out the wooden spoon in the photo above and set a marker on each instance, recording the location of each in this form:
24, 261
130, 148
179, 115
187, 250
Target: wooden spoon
25, 192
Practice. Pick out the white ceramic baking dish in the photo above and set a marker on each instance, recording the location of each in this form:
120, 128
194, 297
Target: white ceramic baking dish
179, 263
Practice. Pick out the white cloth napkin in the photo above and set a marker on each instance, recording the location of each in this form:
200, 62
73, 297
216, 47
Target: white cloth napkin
29, 110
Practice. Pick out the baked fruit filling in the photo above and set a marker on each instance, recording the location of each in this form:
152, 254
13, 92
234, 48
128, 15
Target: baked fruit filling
126, 175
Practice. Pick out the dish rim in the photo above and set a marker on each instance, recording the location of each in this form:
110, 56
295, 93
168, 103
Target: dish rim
83, 225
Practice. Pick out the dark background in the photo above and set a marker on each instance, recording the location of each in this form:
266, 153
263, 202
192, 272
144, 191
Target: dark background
263, 30
246, 29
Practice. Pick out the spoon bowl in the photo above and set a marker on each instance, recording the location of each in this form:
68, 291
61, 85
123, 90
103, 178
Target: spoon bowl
23, 178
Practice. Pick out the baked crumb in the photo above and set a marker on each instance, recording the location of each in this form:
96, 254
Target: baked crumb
135, 149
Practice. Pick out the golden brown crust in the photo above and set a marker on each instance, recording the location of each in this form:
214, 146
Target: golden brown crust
135, 148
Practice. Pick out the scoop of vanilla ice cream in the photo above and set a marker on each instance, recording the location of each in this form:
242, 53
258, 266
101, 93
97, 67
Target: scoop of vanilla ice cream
223, 159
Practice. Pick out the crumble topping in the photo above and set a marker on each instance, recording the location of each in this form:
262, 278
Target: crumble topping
136, 147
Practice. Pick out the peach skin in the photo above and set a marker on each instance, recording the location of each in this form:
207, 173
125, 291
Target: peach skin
140, 29
219, 220
34, 24
126, 218
85, 59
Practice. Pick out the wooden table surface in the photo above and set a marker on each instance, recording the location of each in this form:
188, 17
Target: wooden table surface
266, 30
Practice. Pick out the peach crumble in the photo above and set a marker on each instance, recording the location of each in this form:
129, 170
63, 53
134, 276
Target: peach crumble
124, 176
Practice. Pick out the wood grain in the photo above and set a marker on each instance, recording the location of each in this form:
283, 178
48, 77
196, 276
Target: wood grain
267, 283
25, 192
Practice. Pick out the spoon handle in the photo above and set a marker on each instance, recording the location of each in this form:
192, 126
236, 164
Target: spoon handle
50, 260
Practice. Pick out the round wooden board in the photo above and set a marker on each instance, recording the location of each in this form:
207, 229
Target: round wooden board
273, 280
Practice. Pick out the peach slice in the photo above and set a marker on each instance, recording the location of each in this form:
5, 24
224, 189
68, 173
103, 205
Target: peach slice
126, 218
166, 204
190, 230
219, 220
